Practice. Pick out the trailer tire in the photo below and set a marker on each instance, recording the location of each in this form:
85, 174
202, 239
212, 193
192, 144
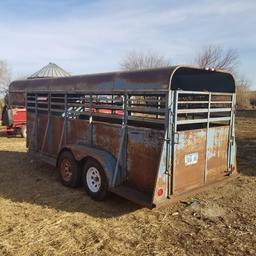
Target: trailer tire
69, 170
95, 180
23, 131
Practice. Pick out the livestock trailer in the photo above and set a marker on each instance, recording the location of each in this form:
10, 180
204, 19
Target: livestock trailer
147, 135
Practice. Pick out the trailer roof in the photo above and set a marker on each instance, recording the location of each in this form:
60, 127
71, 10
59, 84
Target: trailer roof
157, 80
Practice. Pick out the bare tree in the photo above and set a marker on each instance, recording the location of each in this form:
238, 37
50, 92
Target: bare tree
140, 60
4, 78
243, 93
214, 56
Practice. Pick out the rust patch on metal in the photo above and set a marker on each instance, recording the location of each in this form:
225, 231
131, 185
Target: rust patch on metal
54, 135
77, 131
30, 142
143, 156
41, 127
217, 153
188, 176
107, 137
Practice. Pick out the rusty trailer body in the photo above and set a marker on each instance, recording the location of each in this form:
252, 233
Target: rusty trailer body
151, 134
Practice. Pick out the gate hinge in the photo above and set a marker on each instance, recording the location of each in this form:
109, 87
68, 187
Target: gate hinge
168, 140
232, 140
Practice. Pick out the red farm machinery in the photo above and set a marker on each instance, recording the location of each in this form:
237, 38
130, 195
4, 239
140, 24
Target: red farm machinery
14, 119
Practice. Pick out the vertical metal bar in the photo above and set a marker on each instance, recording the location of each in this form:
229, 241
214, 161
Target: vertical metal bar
26, 106
36, 122
63, 127
32, 133
65, 118
168, 122
231, 133
90, 128
118, 157
158, 105
112, 102
207, 137
123, 134
176, 100
48, 123
174, 131
61, 136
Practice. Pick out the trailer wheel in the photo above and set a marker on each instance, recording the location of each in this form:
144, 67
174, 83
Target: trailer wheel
23, 131
95, 180
69, 170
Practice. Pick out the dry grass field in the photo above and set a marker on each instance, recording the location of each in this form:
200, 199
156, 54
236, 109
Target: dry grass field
38, 216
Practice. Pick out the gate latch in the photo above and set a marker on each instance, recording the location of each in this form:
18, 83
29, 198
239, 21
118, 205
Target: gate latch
176, 138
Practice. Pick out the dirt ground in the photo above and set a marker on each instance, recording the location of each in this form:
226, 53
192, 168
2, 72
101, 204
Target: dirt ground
38, 216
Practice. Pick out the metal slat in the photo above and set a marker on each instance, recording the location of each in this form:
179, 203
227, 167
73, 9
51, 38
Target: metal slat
111, 107
193, 92
148, 100
57, 104
221, 102
222, 93
217, 119
220, 110
146, 110
58, 98
57, 110
206, 93
192, 121
203, 110
43, 109
197, 110
205, 120
106, 115
141, 119
192, 102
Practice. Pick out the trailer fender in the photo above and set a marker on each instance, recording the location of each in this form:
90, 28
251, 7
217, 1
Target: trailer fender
107, 161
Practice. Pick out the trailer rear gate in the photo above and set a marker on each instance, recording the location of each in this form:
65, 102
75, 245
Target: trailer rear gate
201, 154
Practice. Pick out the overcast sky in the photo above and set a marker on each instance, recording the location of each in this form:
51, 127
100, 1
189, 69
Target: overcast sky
93, 36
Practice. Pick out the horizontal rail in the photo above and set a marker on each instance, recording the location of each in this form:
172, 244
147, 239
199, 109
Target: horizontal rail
193, 102
110, 107
57, 104
148, 120
57, 98
31, 101
221, 102
43, 109
58, 110
205, 120
97, 114
206, 93
140, 92
146, 110
96, 106
147, 100
217, 119
202, 110
220, 109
